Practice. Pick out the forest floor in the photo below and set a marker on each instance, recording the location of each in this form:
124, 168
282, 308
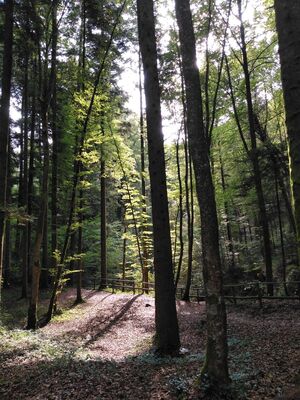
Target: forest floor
101, 350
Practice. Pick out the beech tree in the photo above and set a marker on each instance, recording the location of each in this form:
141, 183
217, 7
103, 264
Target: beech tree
167, 335
288, 14
216, 366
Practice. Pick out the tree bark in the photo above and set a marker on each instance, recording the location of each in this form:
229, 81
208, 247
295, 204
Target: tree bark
180, 216
46, 96
103, 234
24, 245
4, 118
288, 28
145, 271
216, 367
7, 248
167, 334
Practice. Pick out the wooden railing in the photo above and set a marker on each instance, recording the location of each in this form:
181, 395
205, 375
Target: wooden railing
232, 292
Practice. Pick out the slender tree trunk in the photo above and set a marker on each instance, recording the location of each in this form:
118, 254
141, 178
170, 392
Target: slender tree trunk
48, 84
55, 152
79, 250
72, 251
216, 367
7, 248
103, 233
18, 235
231, 263
255, 160
24, 243
167, 334
288, 28
36, 269
180, 215
145, 271
31, 167
124, 253
187, 179
4, 118
44, 281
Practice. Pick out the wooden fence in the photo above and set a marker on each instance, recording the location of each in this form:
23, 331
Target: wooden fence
232, 292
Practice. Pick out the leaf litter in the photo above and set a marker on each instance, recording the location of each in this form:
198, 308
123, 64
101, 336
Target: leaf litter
101, 350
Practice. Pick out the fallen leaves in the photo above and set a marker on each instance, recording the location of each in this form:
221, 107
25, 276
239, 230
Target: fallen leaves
102, 352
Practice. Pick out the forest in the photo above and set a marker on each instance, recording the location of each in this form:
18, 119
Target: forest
150, 199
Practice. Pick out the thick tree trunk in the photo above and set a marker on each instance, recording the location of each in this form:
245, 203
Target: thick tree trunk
167, 334
216, 367
4, 118
288, 28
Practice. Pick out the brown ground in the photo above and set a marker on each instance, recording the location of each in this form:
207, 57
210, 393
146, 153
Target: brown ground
100, 350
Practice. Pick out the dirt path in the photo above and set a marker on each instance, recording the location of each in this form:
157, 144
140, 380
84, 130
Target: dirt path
100, 350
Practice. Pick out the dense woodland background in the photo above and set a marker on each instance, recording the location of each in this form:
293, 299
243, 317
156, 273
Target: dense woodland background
77, 208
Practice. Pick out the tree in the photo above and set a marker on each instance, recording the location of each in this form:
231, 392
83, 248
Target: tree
47, 91
252, 150
167, 335
216, 366
4, 121
288, 15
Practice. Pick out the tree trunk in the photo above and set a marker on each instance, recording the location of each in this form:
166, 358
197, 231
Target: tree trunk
36, 268
124, 249
4, 118
167, 334
79, 250
103, 234
278, 206
216, 367
47, 91
145, 271
7, 248
253, 154
231, 263
288, 28
187, 179
54, 174
31, 166
180, 215
24, 245
44, 282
